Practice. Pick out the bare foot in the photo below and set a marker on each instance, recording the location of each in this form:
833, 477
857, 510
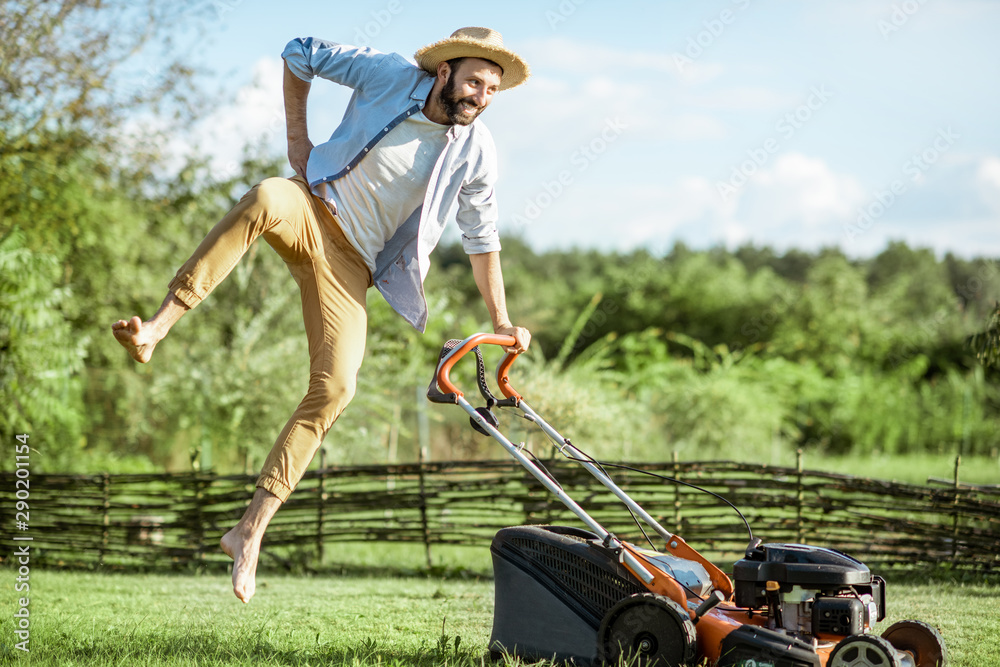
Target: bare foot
136, 337
244, 551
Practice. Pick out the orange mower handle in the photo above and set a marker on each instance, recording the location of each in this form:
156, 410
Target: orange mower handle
445, 384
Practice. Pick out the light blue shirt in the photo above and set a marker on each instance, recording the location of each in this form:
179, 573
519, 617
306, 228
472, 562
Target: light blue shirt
387, 90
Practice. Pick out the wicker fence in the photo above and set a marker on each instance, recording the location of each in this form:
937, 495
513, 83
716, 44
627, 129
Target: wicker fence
175, 520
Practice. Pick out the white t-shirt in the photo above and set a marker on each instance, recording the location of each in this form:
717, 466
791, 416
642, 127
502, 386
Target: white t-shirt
387, 186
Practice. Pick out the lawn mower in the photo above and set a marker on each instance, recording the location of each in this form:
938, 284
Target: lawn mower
583, 596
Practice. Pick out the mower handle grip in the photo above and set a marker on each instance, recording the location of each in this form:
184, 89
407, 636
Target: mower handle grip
445, 384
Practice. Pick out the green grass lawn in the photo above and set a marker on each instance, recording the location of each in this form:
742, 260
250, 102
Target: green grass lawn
104, 619
116, 619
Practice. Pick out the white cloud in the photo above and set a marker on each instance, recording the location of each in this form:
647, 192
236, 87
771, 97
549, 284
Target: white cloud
797, 201
588, 58
744, 98
253, 117
576, 86
965, 237
988, 182
624, 216
698, 72
659, 215
657, 182
604, 87
801, 189
553, 117
256, 115
690, 127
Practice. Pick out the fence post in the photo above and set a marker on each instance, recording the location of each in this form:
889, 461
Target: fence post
677, 494
392, 456
423, 451
320, 508
106, 521
423, 507
199, 523
799, 498
954, 516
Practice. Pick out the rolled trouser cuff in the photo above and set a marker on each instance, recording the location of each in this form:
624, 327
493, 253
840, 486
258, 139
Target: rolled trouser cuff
275, 486
184, 293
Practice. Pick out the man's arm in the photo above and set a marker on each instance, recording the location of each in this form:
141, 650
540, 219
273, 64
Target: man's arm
489, 280
351, 66
296, 92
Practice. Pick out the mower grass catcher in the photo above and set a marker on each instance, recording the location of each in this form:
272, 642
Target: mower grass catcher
585, 597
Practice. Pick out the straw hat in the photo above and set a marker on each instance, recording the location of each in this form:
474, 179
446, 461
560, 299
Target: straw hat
476, 43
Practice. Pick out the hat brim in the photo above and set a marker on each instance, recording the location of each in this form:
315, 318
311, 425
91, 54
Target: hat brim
515, 70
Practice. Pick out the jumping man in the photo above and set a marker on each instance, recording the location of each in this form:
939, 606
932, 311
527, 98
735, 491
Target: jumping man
365, 208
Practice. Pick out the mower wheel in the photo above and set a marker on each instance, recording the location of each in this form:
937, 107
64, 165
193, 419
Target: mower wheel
865, 651
920, 640
647, 630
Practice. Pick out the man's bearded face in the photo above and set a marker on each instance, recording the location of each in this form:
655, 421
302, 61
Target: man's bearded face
455, 106
459, 105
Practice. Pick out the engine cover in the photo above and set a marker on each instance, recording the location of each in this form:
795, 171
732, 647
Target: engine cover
812, 568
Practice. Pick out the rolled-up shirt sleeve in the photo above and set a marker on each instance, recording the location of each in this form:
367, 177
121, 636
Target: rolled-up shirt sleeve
308, 57
477, 218
477, 206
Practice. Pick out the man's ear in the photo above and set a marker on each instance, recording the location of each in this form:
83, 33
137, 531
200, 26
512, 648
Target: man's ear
443, 71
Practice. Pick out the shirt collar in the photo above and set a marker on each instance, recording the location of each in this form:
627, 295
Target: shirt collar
422, 90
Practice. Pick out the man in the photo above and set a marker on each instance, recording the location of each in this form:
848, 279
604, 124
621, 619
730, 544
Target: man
365, 208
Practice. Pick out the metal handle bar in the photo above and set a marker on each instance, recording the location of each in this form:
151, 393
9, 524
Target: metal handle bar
445, 384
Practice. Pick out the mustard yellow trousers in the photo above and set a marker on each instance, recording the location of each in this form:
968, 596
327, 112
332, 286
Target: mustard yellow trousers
332, 279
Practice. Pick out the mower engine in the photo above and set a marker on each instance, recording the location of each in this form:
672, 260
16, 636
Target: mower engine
809, 591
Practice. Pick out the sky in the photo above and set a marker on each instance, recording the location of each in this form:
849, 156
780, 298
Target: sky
719, 123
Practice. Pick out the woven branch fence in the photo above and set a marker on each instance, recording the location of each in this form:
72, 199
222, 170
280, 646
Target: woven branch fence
175, 520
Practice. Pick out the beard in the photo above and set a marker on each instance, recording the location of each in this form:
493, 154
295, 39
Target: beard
454, 106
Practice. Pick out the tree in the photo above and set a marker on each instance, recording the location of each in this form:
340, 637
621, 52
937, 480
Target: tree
40, 356
826, 325
913, 283
975, 283
986, 343
63, 65
67, 215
